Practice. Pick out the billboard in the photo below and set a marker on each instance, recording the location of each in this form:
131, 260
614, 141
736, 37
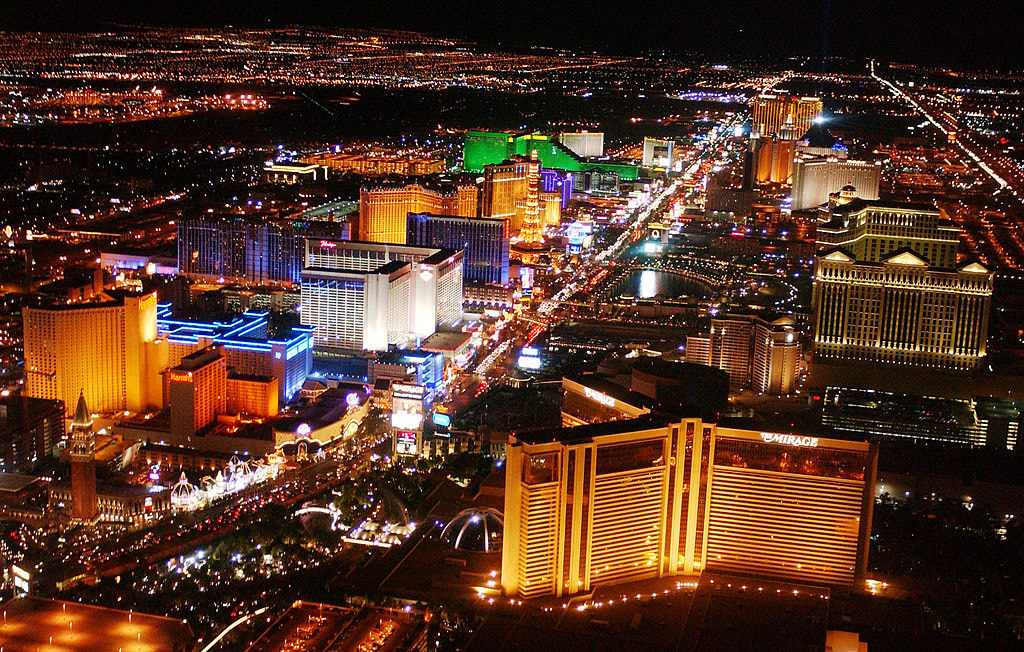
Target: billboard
526, 280
529, 358
576, 233
406, 442
407, 406
442, 420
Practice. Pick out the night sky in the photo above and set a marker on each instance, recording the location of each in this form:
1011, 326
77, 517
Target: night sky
970, 34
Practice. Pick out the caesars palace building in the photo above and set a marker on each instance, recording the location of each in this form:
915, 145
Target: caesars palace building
643, 498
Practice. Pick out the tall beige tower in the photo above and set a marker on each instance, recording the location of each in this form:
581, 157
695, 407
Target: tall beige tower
505, 185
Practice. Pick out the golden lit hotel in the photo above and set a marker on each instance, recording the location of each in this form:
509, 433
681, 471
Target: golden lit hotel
641, 499
888, 288
771, 112
383, 208
105, 348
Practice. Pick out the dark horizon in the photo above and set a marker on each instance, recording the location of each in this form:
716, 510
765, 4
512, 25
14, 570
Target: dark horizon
980, 36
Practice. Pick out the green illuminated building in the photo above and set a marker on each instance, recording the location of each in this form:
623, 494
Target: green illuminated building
489, 147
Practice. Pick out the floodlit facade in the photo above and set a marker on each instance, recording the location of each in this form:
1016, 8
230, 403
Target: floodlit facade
197, 392
505, 187
814, 179
367, 296
583, 143
771, 111
103, 347
483, 241
248, 249
532, 230
383, 208
83, 463
871, 230
639, 499
887, 288
248, 346
658, 153
776, 357
376, 163
900, 310
727, 347
774, 154
252, 395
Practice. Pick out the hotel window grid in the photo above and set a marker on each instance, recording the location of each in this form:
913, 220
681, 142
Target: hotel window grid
677, 499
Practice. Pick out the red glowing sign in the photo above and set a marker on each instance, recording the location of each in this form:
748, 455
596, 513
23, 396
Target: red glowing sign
327, 244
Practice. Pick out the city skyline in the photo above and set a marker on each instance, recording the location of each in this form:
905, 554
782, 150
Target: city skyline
364, 327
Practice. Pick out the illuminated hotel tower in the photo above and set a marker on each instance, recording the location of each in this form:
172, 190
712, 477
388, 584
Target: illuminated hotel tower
383, 208
504, 186
83, 464
640, 499
533, 230
887, 288
772, 111
108, 347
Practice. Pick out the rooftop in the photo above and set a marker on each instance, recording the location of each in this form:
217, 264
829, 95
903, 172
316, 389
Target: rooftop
199, 359
859, 204
581, 434
445, 341
15, 482
36, 624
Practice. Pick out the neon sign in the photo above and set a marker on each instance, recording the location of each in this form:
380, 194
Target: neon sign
788, 440
179, 377
600, 397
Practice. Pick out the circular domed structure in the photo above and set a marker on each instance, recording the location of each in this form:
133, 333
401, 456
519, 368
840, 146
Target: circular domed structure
184, 494
475, 530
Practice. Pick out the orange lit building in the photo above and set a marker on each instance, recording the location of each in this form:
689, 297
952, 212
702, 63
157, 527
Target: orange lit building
640, 499
106, 348
83, 463
532, 228
888, 288
550, 209
772, 111
376, 163
252, 395
504, 185
197, 392
383, 209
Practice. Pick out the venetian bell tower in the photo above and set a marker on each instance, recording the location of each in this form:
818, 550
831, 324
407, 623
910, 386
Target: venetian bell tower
83, 463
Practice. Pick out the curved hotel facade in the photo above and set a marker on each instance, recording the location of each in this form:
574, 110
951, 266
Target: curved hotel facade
640, 499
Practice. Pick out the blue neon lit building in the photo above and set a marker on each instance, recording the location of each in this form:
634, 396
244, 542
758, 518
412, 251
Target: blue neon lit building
558, 181
249, 250
427, 366
484, 241
248, 347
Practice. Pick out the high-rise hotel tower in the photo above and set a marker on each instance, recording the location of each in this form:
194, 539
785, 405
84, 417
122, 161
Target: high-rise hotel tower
772, 111
640, 499
888, 288
105, 347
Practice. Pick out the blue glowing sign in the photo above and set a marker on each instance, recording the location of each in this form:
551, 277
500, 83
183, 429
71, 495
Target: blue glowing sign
443, 420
